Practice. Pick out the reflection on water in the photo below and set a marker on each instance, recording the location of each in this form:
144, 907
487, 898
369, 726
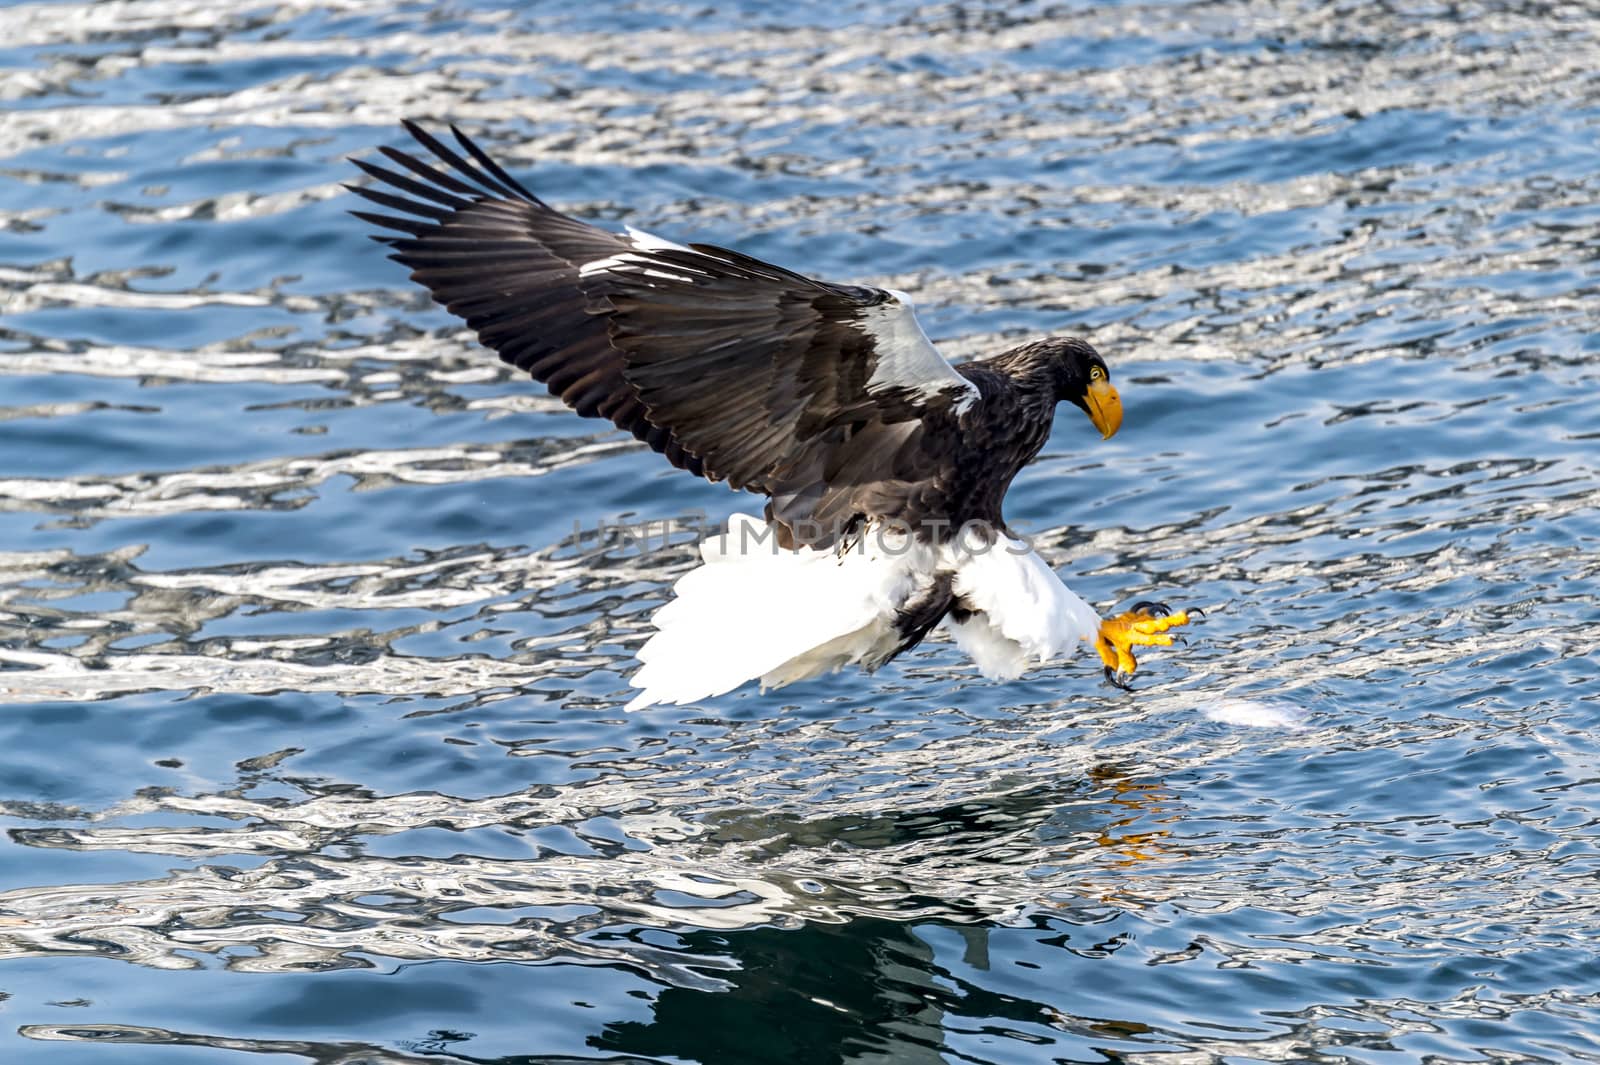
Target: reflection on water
572, 865
312, 646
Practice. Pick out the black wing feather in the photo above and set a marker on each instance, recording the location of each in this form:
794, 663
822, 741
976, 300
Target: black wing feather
484, 262
732, 368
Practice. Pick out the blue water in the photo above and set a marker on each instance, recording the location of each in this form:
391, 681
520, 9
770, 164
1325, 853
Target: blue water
312, 656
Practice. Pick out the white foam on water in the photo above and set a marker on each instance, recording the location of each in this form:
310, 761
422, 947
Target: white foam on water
1253, 713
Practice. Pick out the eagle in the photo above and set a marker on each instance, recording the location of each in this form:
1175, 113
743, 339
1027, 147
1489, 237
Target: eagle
883, 465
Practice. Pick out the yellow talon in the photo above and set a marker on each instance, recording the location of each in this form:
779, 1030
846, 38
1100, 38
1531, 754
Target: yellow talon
1143, 626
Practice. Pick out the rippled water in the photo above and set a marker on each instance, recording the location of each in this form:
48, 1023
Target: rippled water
311, 661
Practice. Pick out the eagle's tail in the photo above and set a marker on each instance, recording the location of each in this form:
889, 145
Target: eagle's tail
757, 611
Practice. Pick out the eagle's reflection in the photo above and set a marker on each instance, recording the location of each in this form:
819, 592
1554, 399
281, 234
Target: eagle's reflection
879, 967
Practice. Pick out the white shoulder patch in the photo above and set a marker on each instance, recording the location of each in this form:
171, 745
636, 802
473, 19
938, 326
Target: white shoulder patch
637, 266
650, 242
907, 359
640, 263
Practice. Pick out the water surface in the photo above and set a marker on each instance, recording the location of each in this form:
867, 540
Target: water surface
311, 659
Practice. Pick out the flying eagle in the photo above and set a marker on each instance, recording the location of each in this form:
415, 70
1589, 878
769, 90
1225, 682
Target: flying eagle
883, 465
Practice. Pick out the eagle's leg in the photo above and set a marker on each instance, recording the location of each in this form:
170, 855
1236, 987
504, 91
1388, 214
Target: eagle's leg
1145, 625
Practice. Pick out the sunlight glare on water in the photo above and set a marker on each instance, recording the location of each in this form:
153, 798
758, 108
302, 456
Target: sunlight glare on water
312, 656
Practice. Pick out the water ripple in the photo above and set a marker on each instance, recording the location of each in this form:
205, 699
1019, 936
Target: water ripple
315, 622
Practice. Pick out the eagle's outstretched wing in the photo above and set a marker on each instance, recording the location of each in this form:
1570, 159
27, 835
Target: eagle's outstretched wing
732, 368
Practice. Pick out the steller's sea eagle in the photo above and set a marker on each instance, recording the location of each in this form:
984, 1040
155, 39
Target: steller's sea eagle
883, 465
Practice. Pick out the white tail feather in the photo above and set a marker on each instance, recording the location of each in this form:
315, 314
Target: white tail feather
755, 611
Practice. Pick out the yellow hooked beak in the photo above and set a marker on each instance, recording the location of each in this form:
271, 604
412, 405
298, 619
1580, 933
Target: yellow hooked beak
1105, 408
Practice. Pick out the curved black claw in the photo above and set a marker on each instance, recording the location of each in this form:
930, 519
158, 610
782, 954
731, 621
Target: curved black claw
1197, 610
1119, 679
1154, 609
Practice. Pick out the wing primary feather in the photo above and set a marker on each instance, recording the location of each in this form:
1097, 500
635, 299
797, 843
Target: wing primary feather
400, 203
415, 226
416, 188
493, 167
466, 169
432, 173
